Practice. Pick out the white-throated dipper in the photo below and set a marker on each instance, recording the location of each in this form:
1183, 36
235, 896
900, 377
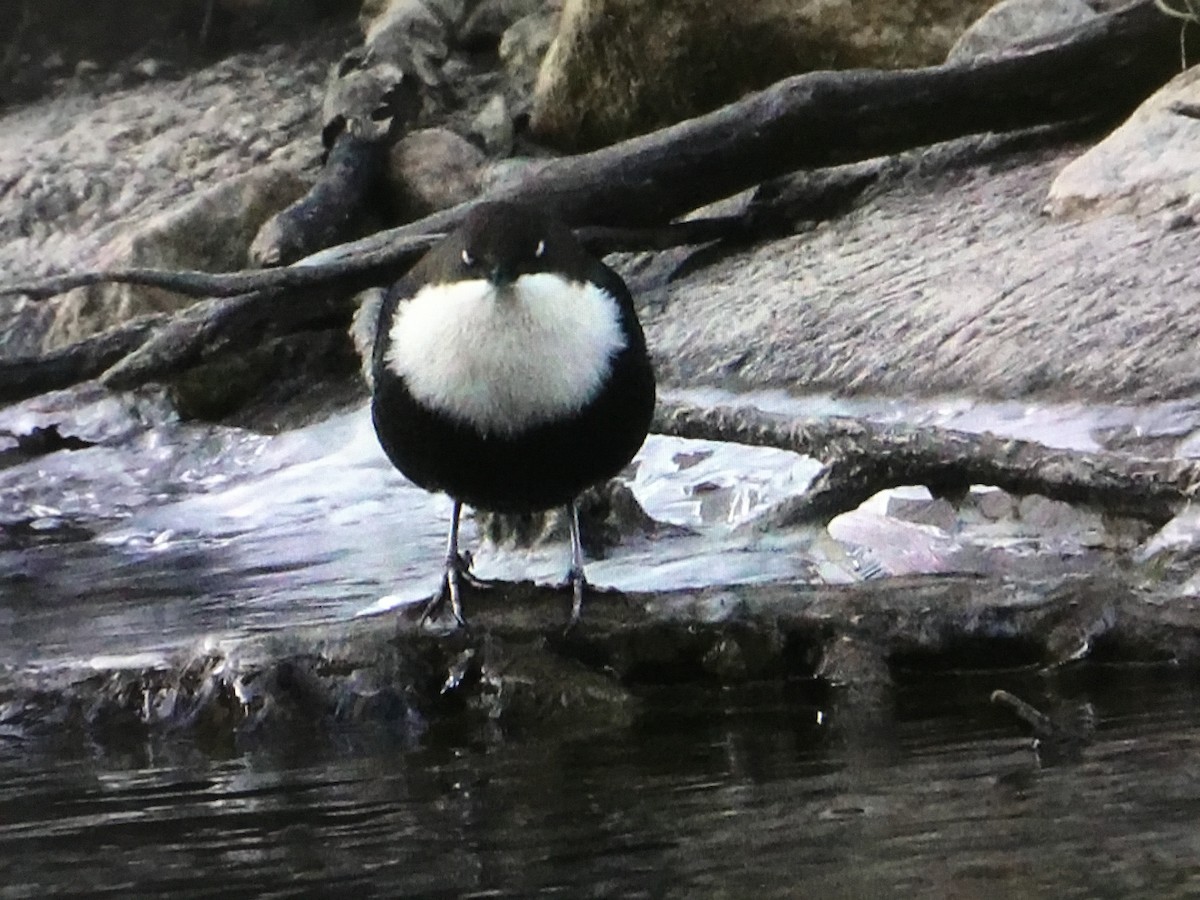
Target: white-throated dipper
510, 372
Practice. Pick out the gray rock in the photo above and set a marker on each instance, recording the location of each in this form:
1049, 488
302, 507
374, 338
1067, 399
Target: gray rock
80, 171
994, 504
410, 34
494, 126
149, 68
210, 232
624, 67
1013, 21
524, 45
939, 513
355, 93
1044, 514
608, 514
946, 283
488, 21
1144, 167
433, 169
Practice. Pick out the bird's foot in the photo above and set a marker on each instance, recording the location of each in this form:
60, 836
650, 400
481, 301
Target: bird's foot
463, 562
457, 570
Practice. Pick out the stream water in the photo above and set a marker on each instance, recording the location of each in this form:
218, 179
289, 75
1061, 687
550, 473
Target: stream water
163, 534
752, 793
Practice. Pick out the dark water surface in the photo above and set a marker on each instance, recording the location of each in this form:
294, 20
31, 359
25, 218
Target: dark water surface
768, 791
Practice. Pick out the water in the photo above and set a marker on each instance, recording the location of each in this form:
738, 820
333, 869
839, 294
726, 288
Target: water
167, 534
164, 533
770, 791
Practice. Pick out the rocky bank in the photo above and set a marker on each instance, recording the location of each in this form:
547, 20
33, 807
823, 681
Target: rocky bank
1048, 267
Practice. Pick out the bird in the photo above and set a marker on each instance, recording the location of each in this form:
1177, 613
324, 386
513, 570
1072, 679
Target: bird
510, 372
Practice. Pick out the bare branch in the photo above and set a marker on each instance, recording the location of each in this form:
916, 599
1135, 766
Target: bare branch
862, 458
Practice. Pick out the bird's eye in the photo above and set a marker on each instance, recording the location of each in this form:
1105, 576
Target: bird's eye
541, 249
467, 258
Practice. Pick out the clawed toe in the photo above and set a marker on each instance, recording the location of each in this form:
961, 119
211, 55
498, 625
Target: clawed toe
433, 607
463, 562
451, 590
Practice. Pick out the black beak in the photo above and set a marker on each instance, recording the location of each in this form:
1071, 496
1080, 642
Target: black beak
502, 275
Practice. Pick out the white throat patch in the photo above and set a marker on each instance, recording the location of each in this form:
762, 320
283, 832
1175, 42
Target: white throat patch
505, 361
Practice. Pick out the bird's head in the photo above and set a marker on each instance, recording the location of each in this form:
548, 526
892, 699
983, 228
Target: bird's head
500, 242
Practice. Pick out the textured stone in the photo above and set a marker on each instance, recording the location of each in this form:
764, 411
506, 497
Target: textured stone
524, 45
488, 21
410, 34
623, 67
494, 126
210, 232
1013, 21
433, 169
79, 171
950, 283
1144, 167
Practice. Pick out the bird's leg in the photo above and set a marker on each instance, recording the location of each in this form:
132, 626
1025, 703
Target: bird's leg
575, 574
455, 568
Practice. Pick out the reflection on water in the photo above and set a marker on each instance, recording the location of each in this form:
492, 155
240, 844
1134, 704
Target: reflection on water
764, 792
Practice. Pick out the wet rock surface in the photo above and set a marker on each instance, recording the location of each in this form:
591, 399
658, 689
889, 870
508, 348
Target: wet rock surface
514, 664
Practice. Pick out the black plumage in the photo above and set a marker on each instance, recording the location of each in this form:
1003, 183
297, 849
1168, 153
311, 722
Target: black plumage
517, 466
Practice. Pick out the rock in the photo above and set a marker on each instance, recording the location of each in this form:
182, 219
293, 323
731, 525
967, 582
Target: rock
210, 232
354, 93
489, 20
79, 170
269, 375
410, 34
494, 126
433, 169
946, 283
994, 504
622, 67
108, 32
1047, 515
524, 45
1144, 167
371, 11
939, 513
1013, 21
